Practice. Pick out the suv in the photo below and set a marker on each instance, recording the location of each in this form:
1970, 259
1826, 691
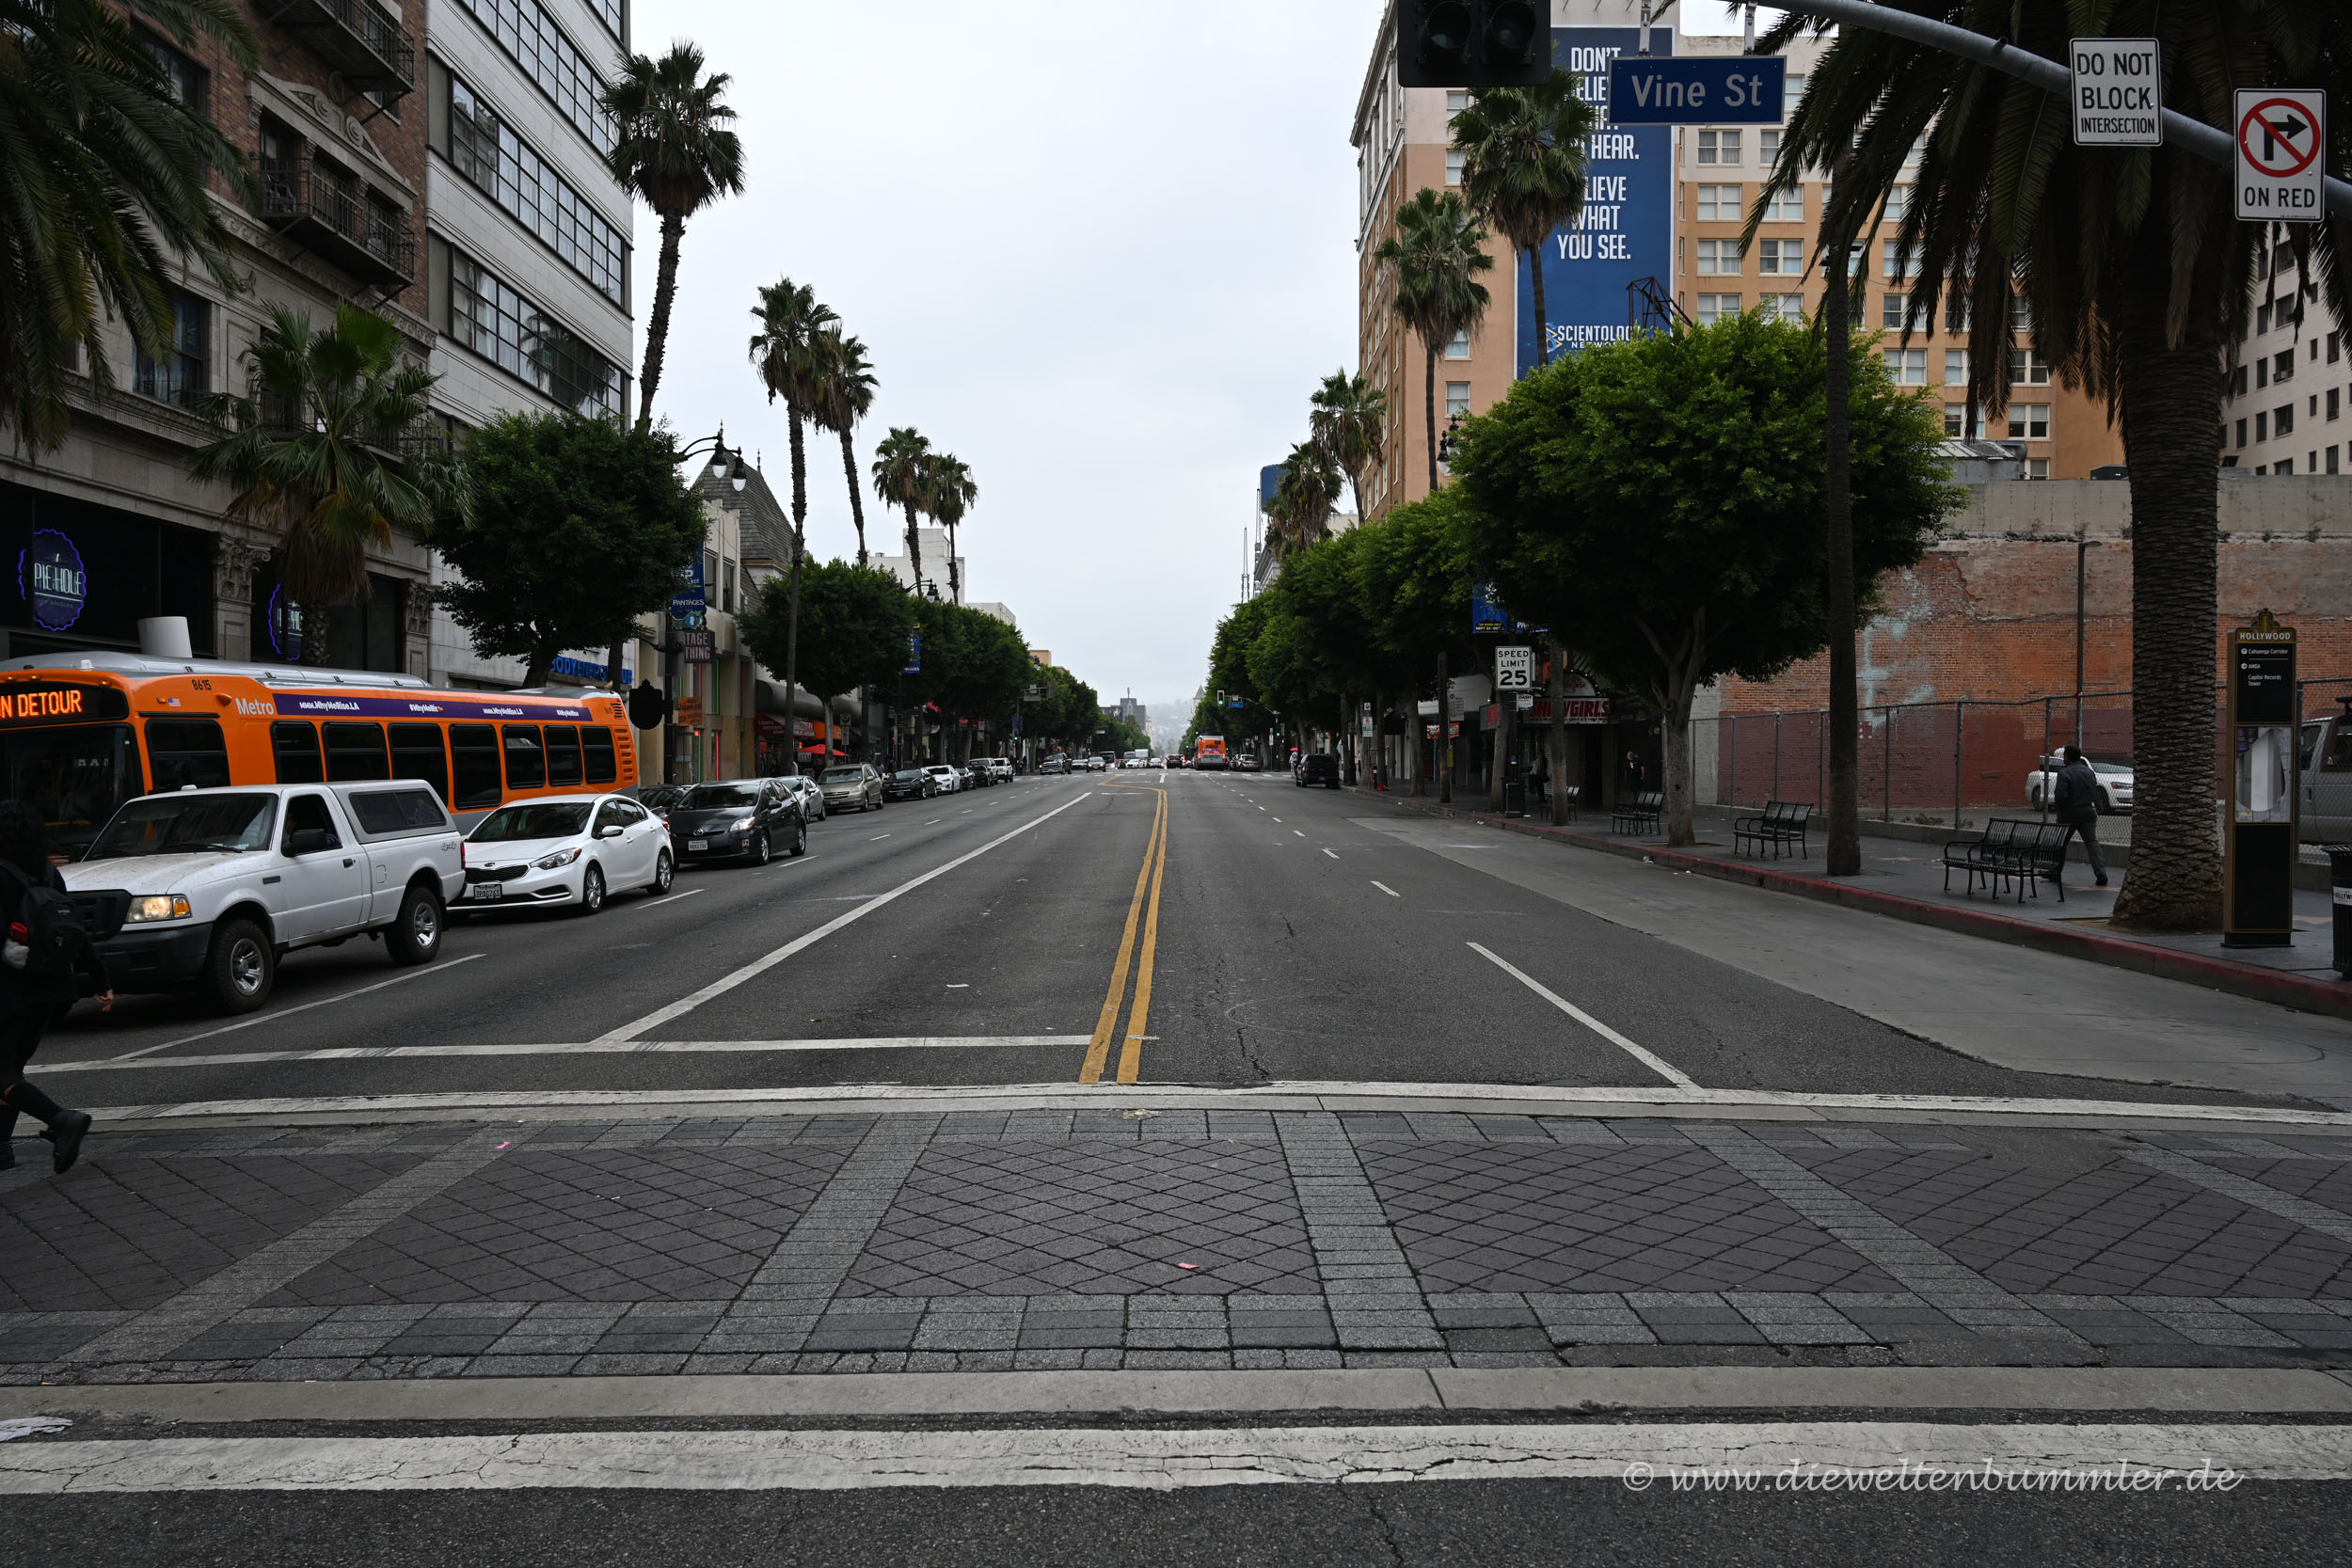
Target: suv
744, 819
214, 886
852, 784
1318, 768
999, 768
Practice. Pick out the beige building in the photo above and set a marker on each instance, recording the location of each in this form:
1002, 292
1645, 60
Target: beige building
2288, 381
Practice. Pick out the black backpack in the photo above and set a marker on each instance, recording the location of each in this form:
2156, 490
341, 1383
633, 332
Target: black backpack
47, 925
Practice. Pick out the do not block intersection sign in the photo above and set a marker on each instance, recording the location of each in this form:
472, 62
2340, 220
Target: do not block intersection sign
2280, 172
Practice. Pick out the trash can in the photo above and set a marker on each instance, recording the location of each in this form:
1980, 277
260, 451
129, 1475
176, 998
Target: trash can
2341, 891
1514, 798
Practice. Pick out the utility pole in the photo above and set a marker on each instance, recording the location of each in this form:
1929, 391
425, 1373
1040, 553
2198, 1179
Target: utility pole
1845, 827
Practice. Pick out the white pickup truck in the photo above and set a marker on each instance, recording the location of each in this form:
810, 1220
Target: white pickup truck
222, 883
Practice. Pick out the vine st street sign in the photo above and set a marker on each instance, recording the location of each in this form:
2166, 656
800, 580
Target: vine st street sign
1745, 89
2281, 132
2115, 89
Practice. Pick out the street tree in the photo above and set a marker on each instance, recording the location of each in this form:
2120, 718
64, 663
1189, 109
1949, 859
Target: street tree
1523, 169
1350, 421
1413, 580
852, 625
676, 151
1300, 517
103, 198
951, 492
789, 353
328, 450
844, 392
901, 477
1659, 502
580, 525
2135, 277
1315, 655
1434, 259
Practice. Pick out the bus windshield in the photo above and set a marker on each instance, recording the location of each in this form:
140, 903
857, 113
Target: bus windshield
74, 775
186, 825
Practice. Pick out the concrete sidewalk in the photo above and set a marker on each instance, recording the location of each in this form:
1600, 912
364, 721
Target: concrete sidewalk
1905, 880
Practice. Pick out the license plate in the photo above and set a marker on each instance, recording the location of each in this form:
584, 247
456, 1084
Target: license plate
696, 845
486, 892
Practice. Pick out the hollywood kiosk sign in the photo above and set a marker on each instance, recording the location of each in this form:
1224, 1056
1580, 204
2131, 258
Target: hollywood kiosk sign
2258, 839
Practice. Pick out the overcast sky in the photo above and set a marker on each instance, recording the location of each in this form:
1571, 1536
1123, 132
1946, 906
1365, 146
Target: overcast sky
1103, 253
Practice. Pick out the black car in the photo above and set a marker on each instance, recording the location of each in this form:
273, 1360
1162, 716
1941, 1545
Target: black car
909, 784
1318, 767
745, 820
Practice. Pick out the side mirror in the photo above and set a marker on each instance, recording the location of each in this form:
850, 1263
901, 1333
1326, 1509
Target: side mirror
311, 841
611, 829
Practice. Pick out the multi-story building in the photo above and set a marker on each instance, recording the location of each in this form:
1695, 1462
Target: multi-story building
527, 261
331, 121
933, 580
2288, 383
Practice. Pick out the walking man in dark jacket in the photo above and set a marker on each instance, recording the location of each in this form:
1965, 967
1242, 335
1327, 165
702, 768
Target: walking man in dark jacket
28, 1000
2076, 804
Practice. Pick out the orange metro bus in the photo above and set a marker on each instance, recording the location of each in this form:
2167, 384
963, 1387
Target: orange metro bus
1208, 751
81, 732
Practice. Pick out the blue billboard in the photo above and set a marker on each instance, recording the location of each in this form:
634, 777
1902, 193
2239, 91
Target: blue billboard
1626, 230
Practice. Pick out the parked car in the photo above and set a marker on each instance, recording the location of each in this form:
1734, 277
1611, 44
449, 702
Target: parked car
949, 779
746, 819
208, 889
656, 799
810, 794
568, 851
851, 786
909, 784
2325, 766
1318, 768
1054, 764
975, 775
2115, 783
1000, 769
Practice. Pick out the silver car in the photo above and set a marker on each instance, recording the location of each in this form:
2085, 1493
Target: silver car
851, 786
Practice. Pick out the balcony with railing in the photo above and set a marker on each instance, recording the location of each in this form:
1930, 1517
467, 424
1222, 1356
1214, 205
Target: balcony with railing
332, 213
359, 39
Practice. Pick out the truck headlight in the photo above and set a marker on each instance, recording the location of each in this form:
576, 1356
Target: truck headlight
158, 906
562, 857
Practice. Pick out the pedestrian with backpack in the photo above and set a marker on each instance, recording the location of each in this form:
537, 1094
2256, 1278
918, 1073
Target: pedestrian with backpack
46, 961
2076, 804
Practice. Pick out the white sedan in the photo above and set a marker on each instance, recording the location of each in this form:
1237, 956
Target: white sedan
569, 850
2115, 783
949, 779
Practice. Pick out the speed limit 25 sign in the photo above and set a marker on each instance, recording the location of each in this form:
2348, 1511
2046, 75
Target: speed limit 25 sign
2280, 173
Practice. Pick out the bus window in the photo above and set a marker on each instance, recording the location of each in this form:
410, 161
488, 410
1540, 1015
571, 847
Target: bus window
355, 753
562, 755
182, 753
74, 775
474, 751
602, 766
526, 764
297, 744
417, 753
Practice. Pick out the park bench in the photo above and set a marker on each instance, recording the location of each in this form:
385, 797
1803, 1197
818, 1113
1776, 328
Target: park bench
2009, 849
1783, 823
1640, 813
1574, 795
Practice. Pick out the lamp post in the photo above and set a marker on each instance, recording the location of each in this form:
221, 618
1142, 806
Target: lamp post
726, 465
2083, 545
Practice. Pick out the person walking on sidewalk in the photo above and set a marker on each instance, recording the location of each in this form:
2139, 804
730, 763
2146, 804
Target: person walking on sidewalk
46, 961
2076, 804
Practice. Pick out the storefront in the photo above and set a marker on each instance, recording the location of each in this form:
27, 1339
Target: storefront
84, 575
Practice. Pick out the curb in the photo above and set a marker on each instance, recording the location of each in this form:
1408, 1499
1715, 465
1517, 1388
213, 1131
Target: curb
2260, 985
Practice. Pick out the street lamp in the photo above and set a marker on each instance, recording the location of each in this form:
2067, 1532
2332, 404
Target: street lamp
726, 466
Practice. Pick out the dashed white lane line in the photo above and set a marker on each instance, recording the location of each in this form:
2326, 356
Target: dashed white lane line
879, 837
1333, 855
287, 1012
934, 822
1296, 832
665, 900
1964, 1456
1387, 889
1649, 1059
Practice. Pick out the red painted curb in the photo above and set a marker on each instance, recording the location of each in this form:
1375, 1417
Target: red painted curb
2261, 985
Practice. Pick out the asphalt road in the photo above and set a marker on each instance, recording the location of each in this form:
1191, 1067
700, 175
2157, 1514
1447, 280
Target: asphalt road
1012, 936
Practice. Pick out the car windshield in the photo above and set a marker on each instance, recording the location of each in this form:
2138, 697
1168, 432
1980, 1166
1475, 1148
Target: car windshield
660, 796
909, 775
722, 797
539, 819
186, 825
2123, 767
844, 775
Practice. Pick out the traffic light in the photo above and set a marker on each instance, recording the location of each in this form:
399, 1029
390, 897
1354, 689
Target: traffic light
1473, 43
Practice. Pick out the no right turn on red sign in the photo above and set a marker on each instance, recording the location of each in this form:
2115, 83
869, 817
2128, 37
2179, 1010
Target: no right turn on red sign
2280, 133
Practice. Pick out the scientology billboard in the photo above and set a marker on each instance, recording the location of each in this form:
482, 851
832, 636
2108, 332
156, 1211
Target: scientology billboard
1626, 230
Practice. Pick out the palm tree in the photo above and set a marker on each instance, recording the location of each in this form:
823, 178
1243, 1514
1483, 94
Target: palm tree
844, 395
1434, 260
1349, 422
902, 478
1302, 502
329, 450
2136, 276
952, 492
788, 350
103, 198
676, 152
1523, 168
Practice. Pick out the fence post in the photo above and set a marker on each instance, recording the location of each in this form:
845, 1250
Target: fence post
1775, 794
2043, 762
1960, 744
1820, 756
1731, 796
1886, 773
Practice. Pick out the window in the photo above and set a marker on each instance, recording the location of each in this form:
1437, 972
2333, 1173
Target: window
1908, 366
1719, 203
1785, 206
1781, 308
548, 58
2335, 346
187, 753
417, 753
526, 760
1455, 102
2029, 421
2282, 419
603, 765
2262, 372
1719, 147
1956, 422
1459, 347
727, 586
2282, 365
294, 743
396, 811
2331, 460
1456, 398
2237, 382
2261, 428
486, 151
490, 318
1715, 308
1796, 87
1956, 313
183, 372
2036, 467
2241, 433
1900, 311
1780, 258
1898, 203
1895, 263
356, 753
1767, 148
2262, 320
1454, 159
1955, 366
1719, 257
2334, 408
2028, 369
2020, 315
2285, 466
184, 79
563, 741
474, 751
308, 814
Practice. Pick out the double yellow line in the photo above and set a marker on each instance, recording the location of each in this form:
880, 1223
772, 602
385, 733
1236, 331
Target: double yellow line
1143, 909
